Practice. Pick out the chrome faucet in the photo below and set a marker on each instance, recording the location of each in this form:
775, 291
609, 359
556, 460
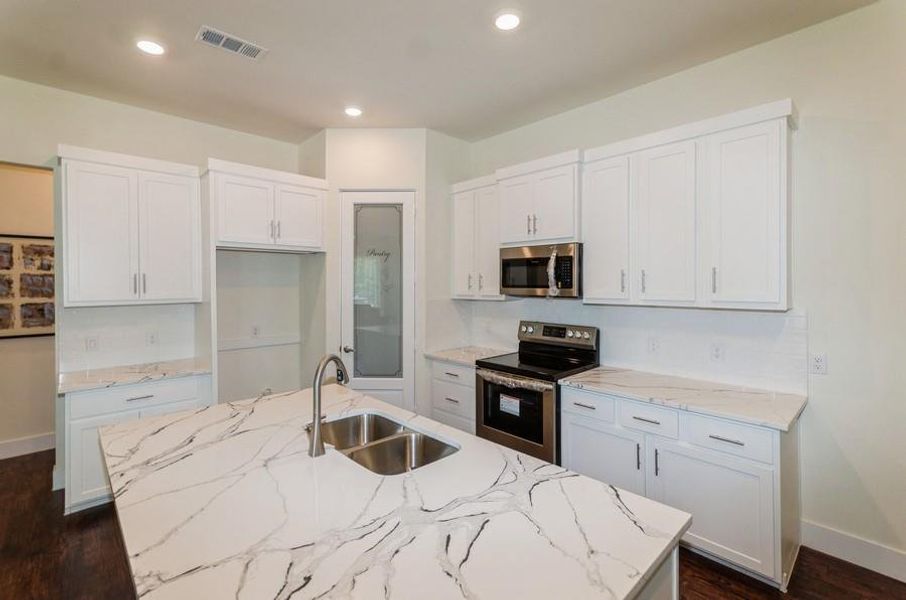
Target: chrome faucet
315, 443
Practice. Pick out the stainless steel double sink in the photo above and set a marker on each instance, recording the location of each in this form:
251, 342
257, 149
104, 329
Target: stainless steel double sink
383, 445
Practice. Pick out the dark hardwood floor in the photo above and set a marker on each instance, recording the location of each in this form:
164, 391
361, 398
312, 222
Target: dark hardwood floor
46, 556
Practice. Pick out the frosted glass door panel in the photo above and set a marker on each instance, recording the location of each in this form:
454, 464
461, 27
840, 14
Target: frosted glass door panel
378, 291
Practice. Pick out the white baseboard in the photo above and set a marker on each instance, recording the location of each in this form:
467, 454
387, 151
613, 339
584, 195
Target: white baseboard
851, 548
26, 445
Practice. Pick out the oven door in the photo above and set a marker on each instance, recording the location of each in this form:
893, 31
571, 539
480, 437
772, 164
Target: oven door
517, 412
523, 271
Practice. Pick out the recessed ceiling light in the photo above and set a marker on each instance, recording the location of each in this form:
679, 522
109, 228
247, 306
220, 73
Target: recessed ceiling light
353, 111
507, 21
149, 47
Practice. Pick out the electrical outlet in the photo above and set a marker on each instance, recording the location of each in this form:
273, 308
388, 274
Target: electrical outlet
256, 331
654, 345
717, 352
91, 343
151, 338
817, 364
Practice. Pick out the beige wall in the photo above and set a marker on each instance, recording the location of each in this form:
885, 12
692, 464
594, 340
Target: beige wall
849, 234
34, 119
27, 366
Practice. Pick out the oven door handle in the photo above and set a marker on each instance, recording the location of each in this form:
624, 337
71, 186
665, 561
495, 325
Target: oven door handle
514, 382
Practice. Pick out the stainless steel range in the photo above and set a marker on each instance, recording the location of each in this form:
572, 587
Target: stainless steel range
517, 396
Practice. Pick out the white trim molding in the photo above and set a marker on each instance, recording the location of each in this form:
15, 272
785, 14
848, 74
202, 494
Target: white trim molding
26, 445
232, 168
68, 152
852, 548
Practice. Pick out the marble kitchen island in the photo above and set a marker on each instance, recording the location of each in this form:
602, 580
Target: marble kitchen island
224, 502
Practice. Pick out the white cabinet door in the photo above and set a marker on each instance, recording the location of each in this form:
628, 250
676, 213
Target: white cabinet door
731, 501
666, 224
487, 244
516, 207
245, 210
554, 200
86, 474
605, 230
101, 234
170, 238
746, 211
464, 284
604, 452
298, 213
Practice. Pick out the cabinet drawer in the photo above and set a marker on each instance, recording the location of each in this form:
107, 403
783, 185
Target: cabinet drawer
454, 373
587, 404
648, 418
733, 438
452, 398
132, 397
456, 421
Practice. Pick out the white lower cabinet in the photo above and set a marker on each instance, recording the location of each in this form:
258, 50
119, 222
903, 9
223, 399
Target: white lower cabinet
739, 482
453, 395
85, 412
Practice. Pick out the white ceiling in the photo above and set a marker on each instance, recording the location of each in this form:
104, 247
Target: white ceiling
408, 63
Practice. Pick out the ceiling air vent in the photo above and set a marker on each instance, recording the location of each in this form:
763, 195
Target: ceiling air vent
230, 43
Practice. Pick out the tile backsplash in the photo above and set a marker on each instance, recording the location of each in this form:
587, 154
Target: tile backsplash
767, 350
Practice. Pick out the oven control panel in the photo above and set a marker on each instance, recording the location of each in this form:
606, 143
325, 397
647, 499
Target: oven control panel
553, 333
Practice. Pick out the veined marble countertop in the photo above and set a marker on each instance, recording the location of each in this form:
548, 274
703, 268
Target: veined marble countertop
91, 379
776, 410
225, 502
466, 355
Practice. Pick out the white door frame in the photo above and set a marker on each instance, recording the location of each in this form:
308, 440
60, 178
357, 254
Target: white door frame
406, 198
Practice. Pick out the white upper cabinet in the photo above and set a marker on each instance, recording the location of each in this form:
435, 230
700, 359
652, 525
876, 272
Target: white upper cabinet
464, 244
264, 209
131, 230
539, 200
605, 229
170, 240
100, 234
245, 211
476, 240
666, 219
696, 215
745, 209
297, 212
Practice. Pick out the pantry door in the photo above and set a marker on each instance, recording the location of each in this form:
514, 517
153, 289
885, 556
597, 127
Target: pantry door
378, 293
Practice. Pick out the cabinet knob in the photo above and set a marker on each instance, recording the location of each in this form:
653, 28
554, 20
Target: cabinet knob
348, 349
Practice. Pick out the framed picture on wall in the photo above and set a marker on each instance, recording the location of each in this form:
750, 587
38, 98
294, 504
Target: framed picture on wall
27, 304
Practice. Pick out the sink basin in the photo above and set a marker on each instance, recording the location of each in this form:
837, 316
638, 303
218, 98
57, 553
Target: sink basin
358, 430
401, 453
383, 445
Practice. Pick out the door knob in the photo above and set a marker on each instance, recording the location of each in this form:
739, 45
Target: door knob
348, 349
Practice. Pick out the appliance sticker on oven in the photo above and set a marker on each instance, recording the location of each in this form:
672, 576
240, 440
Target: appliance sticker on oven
509, 405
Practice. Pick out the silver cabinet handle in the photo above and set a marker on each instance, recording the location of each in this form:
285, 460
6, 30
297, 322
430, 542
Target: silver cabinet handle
644, 420
480, 281
453, 400
588, 406
272, 229
348, 349
638, 457
144, 283
278, 229
535, 224
713, 280
456, 375
622, 281
528, 224
644, 278
657, 463
137, 398
470, 281
135, 284
727, 440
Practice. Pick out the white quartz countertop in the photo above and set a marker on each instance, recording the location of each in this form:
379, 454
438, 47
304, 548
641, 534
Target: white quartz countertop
465, 355
90, 379
757, 407
225, 502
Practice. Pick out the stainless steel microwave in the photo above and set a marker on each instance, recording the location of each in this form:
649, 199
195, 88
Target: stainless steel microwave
553, 270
